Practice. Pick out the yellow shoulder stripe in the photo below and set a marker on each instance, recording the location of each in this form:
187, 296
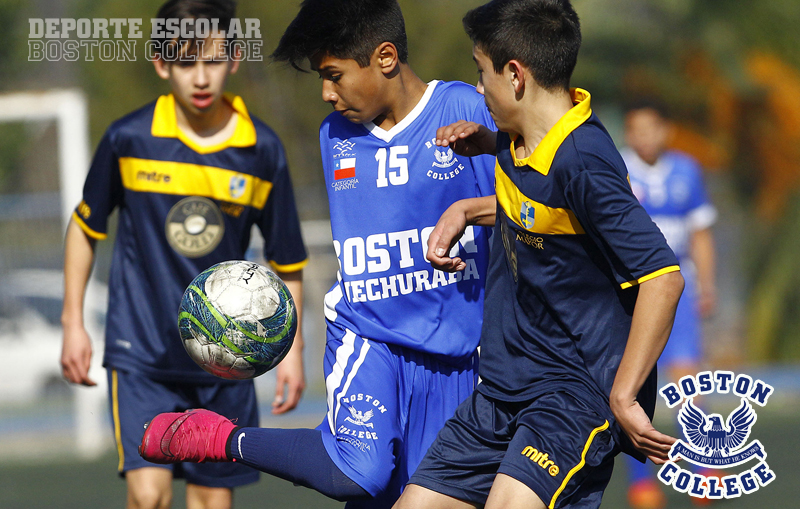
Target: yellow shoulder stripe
653, 275
88, 231
186, 179
292, 267
532, 215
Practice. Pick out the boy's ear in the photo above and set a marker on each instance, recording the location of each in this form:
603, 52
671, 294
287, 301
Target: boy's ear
517, 75
386, 55
162, 68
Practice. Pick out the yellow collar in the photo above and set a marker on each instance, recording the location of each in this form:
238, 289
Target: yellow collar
165, 125
543, 155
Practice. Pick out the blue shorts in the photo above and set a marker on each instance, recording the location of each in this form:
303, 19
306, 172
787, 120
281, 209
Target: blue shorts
556, 445
685, 344
385, 406
135, 399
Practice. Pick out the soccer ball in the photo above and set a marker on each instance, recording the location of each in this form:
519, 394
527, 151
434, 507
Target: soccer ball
237, 320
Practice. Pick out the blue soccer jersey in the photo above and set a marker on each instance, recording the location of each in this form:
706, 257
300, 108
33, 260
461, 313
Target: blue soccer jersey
571, 245
672, 192
387, 190
182, 208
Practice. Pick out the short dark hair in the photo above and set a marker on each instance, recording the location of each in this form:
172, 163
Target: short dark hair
647, 103
223, 10
344, 29
543, 35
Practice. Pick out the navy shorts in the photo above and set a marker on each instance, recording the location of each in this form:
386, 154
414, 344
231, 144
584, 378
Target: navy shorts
555, 444
135, 399
385, 406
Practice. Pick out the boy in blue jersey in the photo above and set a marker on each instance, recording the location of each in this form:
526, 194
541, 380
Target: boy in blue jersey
669, 185
190, 174
581, 291
401, 336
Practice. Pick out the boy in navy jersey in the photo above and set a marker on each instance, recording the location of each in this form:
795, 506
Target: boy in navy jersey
190, 174
581, 292
401, 336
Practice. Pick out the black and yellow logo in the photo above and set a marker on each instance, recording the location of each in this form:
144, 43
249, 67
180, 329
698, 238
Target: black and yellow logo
194, 226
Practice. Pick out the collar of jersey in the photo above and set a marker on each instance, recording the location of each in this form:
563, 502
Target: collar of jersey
165, 125
542, 157
407, 120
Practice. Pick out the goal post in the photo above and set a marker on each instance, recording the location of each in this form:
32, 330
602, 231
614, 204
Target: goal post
68, 109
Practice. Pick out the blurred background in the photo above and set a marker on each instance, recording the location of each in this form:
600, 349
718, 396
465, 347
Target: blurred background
729, 71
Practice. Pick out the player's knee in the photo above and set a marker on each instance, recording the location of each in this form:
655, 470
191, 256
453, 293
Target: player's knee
149, 497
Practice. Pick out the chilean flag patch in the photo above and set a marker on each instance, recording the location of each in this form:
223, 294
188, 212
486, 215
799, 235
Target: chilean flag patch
344, 168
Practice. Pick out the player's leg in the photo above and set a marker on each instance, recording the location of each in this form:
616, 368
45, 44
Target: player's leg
509, 493
418, 497
210, 485
149, 488
460, 466
562, 451
134, 398
203, 497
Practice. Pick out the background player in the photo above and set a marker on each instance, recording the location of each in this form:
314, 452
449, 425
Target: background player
190, 175
401, 337
581, 292
669, 184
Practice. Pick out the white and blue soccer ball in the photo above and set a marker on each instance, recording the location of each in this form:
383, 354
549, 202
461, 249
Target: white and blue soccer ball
237, 320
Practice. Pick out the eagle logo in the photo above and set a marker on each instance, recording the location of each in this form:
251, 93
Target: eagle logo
360, 418
444, 159
709, 435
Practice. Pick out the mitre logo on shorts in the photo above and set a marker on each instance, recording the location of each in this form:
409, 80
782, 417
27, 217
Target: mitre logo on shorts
194, 226
542, 459
710, 443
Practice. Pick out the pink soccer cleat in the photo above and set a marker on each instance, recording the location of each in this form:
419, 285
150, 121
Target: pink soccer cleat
194, 435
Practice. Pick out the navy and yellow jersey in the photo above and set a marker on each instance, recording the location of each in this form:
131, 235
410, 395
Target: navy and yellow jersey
571, 245
182, 208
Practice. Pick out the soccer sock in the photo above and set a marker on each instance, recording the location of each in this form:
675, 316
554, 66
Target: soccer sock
296, 455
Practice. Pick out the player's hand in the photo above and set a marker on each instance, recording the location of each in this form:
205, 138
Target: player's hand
635, 423
290, 380
467, 139
76, 356
445, 234
706, 303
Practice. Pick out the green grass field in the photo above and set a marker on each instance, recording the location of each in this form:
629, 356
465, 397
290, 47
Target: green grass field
68, 483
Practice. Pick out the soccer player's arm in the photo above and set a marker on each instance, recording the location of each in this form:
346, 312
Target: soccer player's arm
702, 251
604, 204
87, 225
651, 325
285, 251
451, 225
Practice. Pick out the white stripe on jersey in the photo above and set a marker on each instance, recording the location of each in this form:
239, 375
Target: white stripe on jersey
361, 355
337, 373
331, 299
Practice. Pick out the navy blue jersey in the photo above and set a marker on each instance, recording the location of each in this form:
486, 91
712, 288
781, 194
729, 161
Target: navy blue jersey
571, 245
182, 208
387, 190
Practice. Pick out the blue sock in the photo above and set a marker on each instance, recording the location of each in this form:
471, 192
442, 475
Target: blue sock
296, 455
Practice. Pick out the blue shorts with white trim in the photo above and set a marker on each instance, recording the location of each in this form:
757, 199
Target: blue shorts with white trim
385, 406
555, 444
